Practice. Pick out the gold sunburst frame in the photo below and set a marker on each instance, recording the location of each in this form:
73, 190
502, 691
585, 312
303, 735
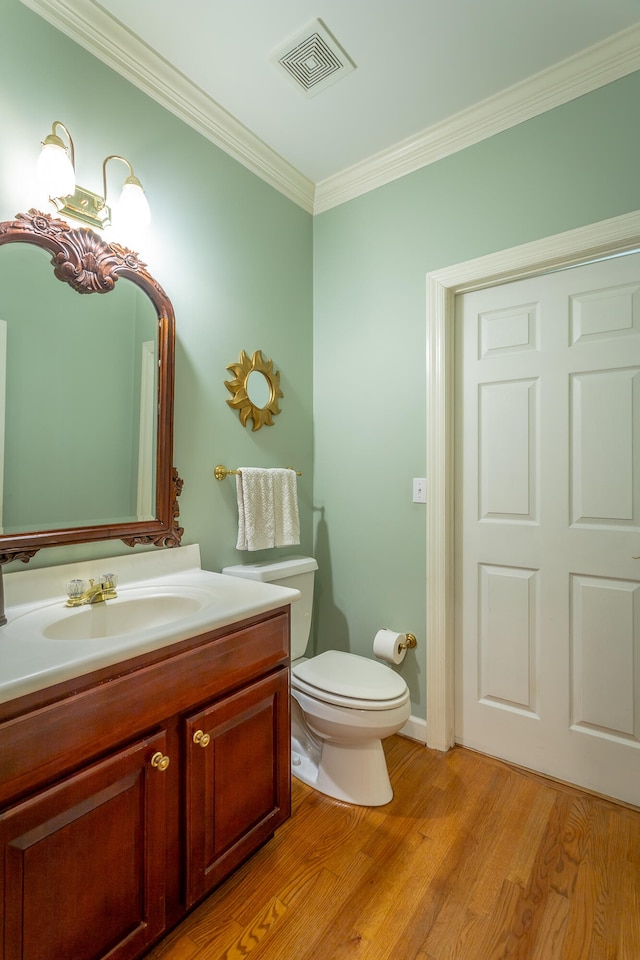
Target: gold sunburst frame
241, 401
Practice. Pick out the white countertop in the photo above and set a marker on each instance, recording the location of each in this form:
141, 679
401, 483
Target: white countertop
31, 660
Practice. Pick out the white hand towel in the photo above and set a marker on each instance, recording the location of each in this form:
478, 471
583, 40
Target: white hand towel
267, 508
256, 522
285, 507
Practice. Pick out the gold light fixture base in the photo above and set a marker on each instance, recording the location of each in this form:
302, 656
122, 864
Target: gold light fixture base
86, 206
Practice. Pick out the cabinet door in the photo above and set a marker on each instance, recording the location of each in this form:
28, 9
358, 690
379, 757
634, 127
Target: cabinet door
82, 870
238, 780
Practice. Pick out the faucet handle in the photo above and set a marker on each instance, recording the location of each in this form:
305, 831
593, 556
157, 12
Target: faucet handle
108, 581
75, 588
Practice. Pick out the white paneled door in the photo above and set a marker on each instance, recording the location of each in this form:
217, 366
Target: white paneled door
548, 524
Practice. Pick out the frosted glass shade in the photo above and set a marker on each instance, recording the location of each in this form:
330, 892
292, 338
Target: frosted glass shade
132, 209
55, 171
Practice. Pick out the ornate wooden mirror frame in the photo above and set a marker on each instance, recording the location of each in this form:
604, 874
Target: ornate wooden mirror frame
90, 265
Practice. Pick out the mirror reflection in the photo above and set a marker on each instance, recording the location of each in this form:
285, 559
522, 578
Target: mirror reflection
80, 382
258, 389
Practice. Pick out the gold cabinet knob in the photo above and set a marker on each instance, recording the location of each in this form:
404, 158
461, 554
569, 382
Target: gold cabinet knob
160, 761
202, 738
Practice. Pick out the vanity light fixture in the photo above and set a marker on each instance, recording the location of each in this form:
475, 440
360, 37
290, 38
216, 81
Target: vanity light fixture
56, 173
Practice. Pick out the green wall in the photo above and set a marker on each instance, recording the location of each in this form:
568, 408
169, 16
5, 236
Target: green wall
572, 166
337, 302
233, 254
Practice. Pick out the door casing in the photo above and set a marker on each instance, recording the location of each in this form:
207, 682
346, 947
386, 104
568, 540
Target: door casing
608, 237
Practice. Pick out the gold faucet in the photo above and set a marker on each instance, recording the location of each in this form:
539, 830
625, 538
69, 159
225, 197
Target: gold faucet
80, 593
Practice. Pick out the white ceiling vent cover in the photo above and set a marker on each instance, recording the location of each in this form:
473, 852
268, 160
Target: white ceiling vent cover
313, 59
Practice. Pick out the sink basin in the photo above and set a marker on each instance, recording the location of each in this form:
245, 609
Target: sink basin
164, 597
137, 611
117, 617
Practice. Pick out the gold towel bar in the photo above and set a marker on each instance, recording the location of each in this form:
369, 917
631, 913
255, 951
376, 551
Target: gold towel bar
221, 472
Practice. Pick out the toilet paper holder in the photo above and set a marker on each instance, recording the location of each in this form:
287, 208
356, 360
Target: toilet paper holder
409, 643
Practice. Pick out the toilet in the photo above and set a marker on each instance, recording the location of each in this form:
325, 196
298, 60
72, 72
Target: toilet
342, 705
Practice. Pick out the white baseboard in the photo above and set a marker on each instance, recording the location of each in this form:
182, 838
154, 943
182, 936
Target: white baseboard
415, 729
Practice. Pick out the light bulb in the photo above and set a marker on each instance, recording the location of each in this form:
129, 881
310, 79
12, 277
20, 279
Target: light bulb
55, 170
132, 211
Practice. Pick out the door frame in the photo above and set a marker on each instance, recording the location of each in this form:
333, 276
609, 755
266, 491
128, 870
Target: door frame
608, 237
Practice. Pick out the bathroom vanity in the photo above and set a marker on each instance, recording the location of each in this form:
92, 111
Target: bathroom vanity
137, 776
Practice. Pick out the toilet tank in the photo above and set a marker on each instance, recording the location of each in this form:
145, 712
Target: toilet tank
289, 571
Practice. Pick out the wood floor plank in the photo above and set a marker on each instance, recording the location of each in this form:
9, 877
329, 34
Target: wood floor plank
506, 852
253, 934
473, 869
397, 896
180, 947
301, 934
628, 934
550, 943
551, 862
472, 860
534, 816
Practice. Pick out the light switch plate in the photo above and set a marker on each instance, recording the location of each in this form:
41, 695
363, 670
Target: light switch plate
419, 489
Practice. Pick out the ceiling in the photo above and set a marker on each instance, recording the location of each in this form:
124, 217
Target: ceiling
424, 69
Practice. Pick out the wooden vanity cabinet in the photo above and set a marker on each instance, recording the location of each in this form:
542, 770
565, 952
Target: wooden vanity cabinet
83, 868
232, 796
105, 844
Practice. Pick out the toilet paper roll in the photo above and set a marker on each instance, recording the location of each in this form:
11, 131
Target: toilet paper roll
386, 645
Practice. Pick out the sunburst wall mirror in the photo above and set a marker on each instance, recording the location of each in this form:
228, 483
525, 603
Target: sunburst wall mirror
256, 389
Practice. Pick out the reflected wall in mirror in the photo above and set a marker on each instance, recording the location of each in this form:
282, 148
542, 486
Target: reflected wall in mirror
87, 432
255, 388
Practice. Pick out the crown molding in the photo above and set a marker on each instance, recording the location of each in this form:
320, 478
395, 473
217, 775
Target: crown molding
603, 63
107, 39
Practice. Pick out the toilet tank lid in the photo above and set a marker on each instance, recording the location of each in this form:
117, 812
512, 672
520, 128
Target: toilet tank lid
269, 570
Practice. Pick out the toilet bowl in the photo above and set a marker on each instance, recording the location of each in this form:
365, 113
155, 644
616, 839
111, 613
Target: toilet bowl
342, 705
349, 704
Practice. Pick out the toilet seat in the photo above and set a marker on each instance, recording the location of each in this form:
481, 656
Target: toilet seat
348, 680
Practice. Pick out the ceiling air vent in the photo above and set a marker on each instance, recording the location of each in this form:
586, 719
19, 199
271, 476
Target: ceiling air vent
313, 59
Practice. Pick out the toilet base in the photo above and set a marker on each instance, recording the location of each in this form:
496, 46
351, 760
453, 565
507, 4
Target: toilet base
339, 751
354, 773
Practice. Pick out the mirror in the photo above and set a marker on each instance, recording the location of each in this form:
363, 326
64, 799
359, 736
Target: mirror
86, 392
255, 389
258, 389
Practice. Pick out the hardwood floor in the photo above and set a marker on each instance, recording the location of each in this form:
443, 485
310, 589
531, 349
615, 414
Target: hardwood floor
472, 860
